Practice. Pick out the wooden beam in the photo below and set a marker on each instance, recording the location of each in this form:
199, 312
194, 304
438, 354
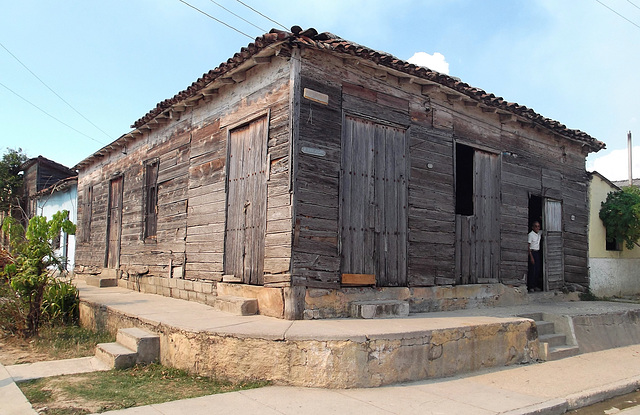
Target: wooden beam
239, 76
358, 279
210, 92
488, 109
468, 103
226, 81
506, 117
454, 97
261, 59
429, 88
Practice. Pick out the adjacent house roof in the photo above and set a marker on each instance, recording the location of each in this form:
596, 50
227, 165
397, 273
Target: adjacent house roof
623, 183
43, 161
261, 50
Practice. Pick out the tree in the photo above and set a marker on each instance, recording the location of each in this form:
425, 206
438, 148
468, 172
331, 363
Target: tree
35, 262
11, 179
620, 214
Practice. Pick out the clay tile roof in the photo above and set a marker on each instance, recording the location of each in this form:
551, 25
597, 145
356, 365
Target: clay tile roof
333, 43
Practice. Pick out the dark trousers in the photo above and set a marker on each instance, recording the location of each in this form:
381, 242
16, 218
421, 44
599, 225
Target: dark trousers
535, 271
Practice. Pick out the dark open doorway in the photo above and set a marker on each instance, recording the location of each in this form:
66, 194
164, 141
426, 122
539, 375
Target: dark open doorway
535, 283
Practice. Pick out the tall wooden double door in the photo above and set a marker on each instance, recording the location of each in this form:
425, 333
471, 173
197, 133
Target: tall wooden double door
373, 201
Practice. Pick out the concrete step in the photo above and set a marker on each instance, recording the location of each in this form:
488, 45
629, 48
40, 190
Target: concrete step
533, 316
560, 352
545, 327
100, 282
146, 344
553, 340
116, 355
379, 309
236, 305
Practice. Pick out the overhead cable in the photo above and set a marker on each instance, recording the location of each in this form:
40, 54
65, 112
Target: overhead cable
633, 4
633, 23
217, 20
46, 113
266, 17
238, 16
54, 92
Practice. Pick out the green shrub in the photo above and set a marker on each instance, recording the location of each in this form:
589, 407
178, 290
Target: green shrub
35, 265
60, 303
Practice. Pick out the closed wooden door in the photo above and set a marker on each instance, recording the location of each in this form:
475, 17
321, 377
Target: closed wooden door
246, 202
552, 245
478, 234
114, 223
373, 198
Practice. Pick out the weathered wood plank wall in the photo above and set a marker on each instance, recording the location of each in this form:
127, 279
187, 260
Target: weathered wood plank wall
530, 161
192, 154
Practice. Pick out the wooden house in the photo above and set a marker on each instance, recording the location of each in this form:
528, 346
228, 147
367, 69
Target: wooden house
40, 173
315, 175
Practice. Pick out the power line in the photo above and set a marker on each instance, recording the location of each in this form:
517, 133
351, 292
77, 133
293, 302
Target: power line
238, 16
634, 5
54, 92
46, 113
266, 17
217, 20
619, 14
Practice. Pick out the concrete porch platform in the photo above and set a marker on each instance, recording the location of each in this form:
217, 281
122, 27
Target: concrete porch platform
349, 353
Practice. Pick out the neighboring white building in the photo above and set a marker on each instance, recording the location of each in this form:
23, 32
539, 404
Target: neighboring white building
63, 195
614, 270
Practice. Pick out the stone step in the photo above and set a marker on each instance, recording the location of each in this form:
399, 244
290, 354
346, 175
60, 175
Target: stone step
533, 316
100, 282
553, 340
545, 327
560, 352
146, 344
236, 305
116, 355
379, 309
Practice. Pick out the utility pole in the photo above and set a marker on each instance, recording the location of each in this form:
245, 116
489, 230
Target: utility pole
630, 151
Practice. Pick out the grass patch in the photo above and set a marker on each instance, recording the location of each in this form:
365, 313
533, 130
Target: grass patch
119, 389
53, 343
68, 342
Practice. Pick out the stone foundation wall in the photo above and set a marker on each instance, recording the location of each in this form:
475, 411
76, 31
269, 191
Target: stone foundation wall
331, 303
314, 360
325, 303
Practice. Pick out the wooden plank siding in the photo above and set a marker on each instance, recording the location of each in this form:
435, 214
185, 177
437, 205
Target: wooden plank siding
192, 158
362, 184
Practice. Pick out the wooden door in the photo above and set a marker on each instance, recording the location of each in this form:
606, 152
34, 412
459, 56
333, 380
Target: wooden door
373, 198
114, 223
246, 202
478, 234
552, 245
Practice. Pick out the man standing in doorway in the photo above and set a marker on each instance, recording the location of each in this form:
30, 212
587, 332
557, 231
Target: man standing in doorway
534, 281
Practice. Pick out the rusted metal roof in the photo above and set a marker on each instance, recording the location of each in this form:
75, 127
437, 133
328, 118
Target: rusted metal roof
331, 43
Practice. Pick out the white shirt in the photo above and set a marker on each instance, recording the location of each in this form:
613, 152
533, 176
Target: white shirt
534, 241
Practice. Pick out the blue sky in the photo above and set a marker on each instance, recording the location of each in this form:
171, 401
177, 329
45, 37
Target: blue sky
574, 61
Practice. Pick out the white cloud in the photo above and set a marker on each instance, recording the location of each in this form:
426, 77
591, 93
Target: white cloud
614, 165
436, 62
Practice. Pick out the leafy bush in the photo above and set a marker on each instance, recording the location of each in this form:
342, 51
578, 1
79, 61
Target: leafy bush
36, 264
620, 214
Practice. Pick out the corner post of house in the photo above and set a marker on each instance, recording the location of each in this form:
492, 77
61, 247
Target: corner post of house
293, 296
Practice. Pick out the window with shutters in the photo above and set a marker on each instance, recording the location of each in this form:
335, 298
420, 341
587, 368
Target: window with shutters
151, 199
